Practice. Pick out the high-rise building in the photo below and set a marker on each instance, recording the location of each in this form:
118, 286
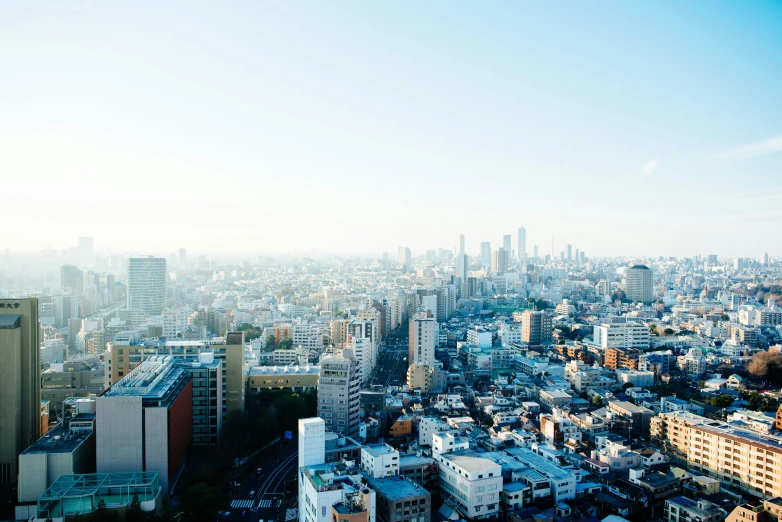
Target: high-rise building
147, 279
20, 382
71, 279
638, 287
338, 392
535, 327
145, 421
461, 244
499, 261
182, 257
423, 338
486, 254
569, 252
506, 244
460, 269
535, 251
404, 256
522, 246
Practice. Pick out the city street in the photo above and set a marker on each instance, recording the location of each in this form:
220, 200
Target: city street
392, 370
267, 502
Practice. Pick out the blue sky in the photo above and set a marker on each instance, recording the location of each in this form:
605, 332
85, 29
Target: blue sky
638, 128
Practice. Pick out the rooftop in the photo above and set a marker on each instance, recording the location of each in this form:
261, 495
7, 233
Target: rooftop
395, 487
59, 439
258, 371
153, 378
378, 449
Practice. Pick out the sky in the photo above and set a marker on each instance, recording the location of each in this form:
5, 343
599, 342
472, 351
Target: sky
633, 128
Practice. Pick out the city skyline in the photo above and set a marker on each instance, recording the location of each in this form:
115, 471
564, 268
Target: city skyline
283, 127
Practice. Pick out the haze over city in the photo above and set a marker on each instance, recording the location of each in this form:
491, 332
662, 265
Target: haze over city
276, 128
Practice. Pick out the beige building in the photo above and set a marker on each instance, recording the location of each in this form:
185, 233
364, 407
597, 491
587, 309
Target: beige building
638, 284
737, 457
296, 378
535, 327
20, 382
126, 353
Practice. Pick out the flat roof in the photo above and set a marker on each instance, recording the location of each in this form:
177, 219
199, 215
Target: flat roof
470, 462
396, 488
260, 371
59, 439
378, 449
152, 378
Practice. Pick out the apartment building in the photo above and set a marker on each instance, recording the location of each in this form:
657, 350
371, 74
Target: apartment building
738, 457
338, 392
423, 338
400, 499
473, 483
621, 358
557, 428
536, 327
296, 378
683, 509
621, 335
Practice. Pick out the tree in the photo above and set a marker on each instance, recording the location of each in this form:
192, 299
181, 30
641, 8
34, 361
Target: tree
653, 329
135, 513
597, 401
202, 502
668, 331
100, 511
762, 362
271, 342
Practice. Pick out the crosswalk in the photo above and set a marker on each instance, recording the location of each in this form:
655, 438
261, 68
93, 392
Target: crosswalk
264, 503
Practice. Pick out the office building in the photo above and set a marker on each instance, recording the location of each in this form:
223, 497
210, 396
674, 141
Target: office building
638, 284
499, 261
206, 373
461, 266
338, 392
71, 280
461, 244
521, 247
535, 327
69, 448
71, 379
486, 254
473, 483
423, 339
20, 382
297, 378
622, 335
506, 245
144, 422
127, 352
147, 279
405, 257
401, 499
732, 454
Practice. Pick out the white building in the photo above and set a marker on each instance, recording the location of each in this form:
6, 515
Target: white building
473, 483
427, 427
637, 378
147, 278
379, 460
174, 321
423, 339
447, 442
479, 337
621, 335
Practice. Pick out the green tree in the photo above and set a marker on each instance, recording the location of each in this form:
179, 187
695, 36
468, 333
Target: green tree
597, 401
100, 511
271, 342
286, 344
668, 331
202, 502
135, 513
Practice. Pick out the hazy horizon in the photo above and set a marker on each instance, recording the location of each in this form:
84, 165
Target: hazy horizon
639, 129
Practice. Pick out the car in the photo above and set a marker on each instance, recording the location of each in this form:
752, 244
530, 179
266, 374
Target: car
258, 470
252, 494
244, 513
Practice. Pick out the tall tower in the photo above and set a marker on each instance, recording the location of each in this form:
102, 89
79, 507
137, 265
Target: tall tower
486, 254
638, 284
20, 382
423, 339
499, 261
522, 246
338, 392
461, 244
506, 244
147, 284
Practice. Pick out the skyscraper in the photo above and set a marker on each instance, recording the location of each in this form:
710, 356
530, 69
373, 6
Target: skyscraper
506, 244
71, 279
638, 284
522, 246
499, 261
147, 284
462, 263
423, 339
461, 244
338, 392
535, 327
20, 382
535, 251
404, 257
486, 254
182, 256
569, 252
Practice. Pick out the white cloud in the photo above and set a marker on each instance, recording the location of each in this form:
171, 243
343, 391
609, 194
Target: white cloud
759, 148
649, 168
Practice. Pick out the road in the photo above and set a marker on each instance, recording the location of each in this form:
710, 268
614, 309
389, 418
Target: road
268, 487
392, 370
